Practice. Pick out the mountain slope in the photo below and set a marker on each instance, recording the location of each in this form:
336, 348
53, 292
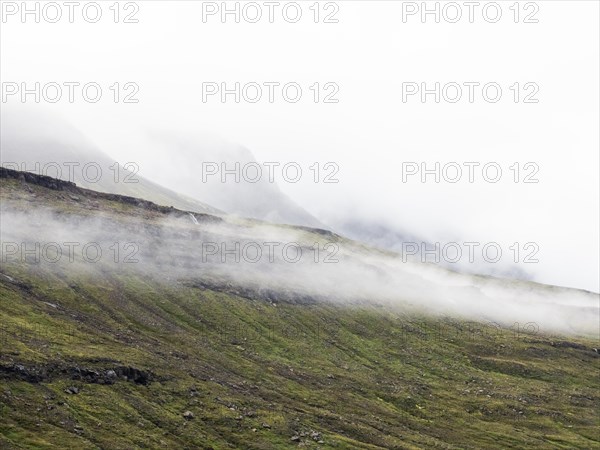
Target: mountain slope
199, 169
115, 355
48, 146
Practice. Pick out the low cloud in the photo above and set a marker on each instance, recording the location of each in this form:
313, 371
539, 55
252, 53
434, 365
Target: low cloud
256, 259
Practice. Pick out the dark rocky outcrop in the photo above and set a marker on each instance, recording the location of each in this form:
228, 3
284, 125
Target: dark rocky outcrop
39, 373
39, 180
77, 192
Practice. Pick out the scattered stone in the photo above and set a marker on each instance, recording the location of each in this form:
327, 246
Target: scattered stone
136, 375
72, 390
109, 377
266, 425
188, 415
295, 438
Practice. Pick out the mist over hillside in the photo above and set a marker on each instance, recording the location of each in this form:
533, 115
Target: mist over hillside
303, 263
390, 237
212, 331
47, 145
226, 175
314, 225
50, 146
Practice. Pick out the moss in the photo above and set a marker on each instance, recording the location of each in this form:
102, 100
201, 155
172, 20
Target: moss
257, 375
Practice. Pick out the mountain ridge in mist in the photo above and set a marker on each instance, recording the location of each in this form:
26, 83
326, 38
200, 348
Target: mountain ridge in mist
190, 156
174, 351
48, 146
40, 143
358, 273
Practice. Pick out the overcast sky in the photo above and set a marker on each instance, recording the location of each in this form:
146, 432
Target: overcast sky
370, 132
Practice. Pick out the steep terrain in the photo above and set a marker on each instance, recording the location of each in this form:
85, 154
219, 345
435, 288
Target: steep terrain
165, 348
48, 146
199, 166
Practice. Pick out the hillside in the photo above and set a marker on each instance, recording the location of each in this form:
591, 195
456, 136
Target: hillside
47, 145
252, 195
168, 347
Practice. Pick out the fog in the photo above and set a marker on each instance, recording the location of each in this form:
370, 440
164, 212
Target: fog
369, 133
201, 167
275, 264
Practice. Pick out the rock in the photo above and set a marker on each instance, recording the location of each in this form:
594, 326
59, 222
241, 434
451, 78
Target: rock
41, 180
266, 425
72, 390
136, 375
188, 415
87, 375
295, 438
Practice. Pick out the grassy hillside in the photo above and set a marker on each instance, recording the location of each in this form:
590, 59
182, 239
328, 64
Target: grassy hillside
115, 358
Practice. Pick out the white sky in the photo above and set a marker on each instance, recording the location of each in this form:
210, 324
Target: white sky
370, 132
